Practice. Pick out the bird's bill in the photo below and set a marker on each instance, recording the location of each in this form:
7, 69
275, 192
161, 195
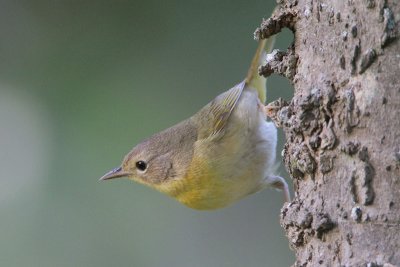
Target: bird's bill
115, 173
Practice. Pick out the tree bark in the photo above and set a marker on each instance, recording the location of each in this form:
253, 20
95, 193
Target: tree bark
342, 128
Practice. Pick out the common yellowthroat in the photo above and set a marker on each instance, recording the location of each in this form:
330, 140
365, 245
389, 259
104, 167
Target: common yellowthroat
221, 154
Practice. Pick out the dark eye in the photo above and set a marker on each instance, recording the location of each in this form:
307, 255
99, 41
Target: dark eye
141, 165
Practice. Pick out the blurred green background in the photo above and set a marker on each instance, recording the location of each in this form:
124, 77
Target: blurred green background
81, 82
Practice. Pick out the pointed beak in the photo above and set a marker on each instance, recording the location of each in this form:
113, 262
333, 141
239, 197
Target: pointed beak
115, 173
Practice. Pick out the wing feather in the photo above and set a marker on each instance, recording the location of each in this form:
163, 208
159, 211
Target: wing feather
212, 119
223, 105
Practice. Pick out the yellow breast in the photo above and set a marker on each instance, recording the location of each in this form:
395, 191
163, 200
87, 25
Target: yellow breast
206, 187
201, 188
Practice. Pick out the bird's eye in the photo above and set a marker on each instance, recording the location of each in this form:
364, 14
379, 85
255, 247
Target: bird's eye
141, 165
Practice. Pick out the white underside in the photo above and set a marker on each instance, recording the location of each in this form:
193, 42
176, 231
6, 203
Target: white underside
254, 153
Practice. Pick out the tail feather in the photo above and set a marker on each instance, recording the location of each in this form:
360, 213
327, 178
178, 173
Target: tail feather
253, 79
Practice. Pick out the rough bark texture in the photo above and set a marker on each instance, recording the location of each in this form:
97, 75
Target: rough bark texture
342, 128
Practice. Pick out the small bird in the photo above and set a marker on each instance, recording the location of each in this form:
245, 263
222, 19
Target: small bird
221, 154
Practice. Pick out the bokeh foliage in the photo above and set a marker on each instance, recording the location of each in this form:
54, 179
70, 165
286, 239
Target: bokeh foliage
81, 82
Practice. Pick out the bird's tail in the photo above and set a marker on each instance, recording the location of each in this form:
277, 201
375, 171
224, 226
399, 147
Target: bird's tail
253, 79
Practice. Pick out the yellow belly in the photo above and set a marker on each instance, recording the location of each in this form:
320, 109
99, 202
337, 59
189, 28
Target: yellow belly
206, 186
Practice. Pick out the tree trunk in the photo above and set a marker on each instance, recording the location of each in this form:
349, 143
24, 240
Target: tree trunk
342, 128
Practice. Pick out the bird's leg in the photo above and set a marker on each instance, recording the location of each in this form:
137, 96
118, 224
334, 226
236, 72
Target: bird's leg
279, 183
